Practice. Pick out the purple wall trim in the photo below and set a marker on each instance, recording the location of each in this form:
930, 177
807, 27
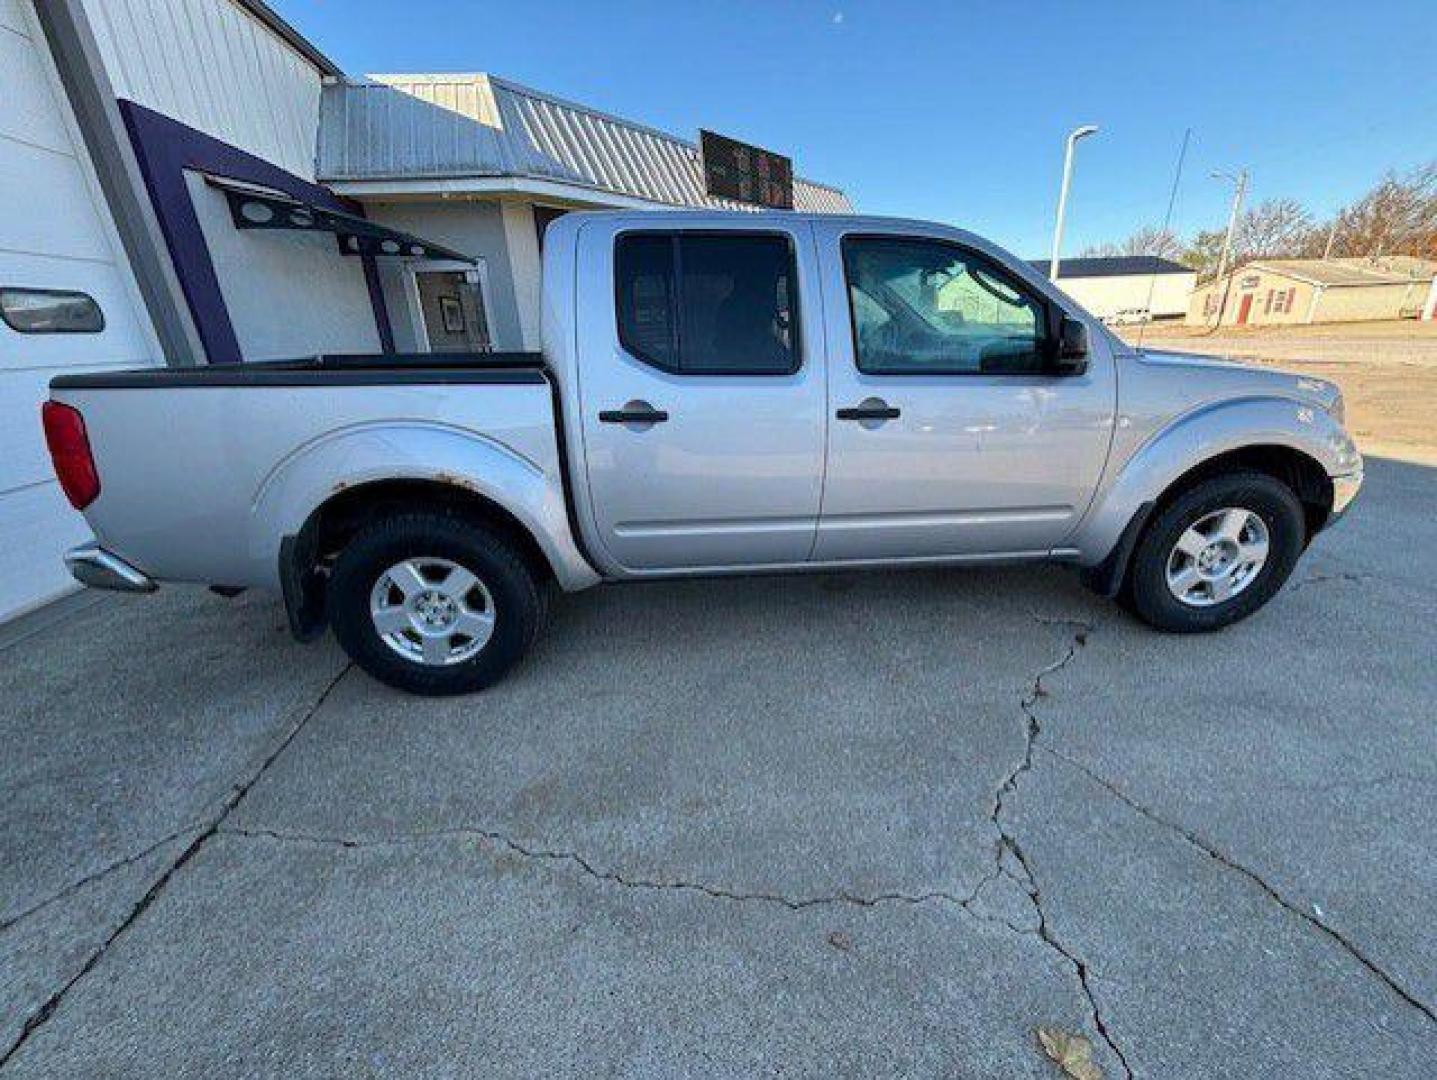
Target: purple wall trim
165, 149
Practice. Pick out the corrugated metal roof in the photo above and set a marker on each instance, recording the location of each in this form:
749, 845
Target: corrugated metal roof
1113, 266
1381, 270
407, 127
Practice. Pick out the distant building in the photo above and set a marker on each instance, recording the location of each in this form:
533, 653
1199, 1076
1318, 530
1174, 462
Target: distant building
1126, 288
1286, 291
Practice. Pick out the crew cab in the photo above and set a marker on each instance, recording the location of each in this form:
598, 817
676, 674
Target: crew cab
718, 393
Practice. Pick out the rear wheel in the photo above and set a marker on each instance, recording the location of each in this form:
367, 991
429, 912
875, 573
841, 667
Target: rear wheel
1217, 553
434, 603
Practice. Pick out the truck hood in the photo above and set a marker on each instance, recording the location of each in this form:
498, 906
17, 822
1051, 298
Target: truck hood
1233, 378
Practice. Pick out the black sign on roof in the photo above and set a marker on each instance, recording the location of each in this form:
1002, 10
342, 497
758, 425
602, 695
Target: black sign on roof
735, 170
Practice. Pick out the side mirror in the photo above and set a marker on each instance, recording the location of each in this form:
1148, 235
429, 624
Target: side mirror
1072, 358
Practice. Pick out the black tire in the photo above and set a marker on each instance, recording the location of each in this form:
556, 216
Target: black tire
1146, 590
518, 599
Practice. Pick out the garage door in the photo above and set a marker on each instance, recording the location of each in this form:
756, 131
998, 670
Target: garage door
53, 236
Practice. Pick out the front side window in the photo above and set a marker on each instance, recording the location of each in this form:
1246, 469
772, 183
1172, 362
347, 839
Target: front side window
706, 304
925, 307
50, 311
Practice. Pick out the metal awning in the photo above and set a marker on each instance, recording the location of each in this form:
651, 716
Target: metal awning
254, 207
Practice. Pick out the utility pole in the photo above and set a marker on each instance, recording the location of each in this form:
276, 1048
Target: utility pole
1331, 238
1073, 137
1239, 189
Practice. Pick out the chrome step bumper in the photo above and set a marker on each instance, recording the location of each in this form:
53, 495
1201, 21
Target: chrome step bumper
92, 565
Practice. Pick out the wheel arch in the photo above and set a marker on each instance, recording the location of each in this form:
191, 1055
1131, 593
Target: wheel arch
334, 522
1295, 467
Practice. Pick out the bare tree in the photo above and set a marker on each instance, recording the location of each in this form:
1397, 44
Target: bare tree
1149, 240
1273, 228
1398, 216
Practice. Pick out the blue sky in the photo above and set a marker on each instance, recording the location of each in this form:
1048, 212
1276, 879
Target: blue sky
957, 111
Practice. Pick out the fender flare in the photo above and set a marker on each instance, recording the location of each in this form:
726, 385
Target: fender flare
348, 458
1193, 439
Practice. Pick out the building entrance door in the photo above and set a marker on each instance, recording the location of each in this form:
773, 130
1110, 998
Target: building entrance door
1244, 309
451, 303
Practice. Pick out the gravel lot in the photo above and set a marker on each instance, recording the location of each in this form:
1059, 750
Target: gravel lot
882, 824
1387, 371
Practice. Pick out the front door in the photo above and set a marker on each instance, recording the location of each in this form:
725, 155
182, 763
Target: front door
950, 435
702, 391
451, 305
1244, 309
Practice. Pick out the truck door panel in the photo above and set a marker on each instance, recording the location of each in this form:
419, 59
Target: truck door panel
703, 396
957, 440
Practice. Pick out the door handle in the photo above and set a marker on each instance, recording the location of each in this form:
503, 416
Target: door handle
870, 409
634, 412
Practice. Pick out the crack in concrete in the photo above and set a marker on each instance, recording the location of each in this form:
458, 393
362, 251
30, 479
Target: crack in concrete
1212, 852
46, 1010
1324, 579
587, 867
79, 883
1007, 843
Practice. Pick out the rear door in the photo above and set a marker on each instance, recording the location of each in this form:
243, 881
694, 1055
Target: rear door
950, 435
701, 382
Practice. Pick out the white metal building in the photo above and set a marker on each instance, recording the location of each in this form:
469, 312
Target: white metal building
1126, 288
56, 233
191, 181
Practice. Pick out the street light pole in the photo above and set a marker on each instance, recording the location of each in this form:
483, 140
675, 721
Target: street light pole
1073, 137
1239, 189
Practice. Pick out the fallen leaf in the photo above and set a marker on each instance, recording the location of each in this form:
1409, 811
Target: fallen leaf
1071, 1053
840, 941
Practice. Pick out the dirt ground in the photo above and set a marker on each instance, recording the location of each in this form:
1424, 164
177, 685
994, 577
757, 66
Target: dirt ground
1387, 371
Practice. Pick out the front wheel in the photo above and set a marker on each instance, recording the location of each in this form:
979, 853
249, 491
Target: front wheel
433, 603
1217, 553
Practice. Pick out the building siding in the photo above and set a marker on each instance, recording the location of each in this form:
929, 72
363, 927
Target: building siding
1333, 303
213, 66
288, 293
1105, 296
55, 233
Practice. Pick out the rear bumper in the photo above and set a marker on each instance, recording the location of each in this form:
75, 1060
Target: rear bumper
92, 565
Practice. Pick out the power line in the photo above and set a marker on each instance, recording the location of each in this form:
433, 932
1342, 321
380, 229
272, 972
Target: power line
1167, 224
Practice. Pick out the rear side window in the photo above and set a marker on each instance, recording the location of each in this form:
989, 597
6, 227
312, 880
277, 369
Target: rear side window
705, 304
50, 311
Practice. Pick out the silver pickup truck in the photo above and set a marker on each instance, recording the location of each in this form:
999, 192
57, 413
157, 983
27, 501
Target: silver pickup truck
717, 394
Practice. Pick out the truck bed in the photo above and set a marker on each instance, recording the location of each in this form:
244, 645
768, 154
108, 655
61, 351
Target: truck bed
204, 471
335, 369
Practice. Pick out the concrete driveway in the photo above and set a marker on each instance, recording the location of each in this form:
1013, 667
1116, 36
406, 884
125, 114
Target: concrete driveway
858, 825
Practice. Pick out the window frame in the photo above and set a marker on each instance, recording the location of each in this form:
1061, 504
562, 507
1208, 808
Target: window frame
1052, 313
675, 236
99, 310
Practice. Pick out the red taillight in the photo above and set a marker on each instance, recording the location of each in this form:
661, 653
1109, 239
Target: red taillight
70, 451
